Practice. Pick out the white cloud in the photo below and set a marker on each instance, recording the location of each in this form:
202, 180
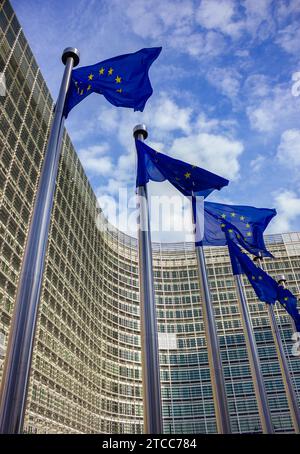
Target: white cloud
154, 18
108, 119
262, 118
259, 21
168, 116
285, 10
214, 152
172, 23
289, 38
257, 163
226, 80
258, 86
242, 53
288, 210
218, 14
225, 16
215, 125
162, 113
93, 159
288, 151
198, 44
80, 129
111, 187
274, 113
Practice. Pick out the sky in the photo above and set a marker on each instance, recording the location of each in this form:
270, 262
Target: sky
225, 92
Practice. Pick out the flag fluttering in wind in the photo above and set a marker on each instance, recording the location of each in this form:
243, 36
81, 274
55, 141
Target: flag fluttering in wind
188, 179
122, 80
289, 302
265, 287
243, 224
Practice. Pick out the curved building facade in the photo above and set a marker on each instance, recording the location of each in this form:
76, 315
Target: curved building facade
86, 368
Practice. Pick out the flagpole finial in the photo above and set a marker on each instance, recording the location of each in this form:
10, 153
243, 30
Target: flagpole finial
140, 130
71, 52
282, 280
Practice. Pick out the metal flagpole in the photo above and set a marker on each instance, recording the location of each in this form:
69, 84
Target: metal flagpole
17, 365
289, 388
282, 281
260, 391
214, 355
149, 338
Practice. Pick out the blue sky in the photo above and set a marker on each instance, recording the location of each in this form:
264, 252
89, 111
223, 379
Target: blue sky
223, 90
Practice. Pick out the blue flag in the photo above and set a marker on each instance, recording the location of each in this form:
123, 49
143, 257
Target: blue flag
122, 80
242, 224
265, 287
289, 302
188, 179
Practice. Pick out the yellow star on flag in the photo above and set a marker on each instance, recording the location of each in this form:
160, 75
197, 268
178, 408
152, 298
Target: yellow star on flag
119, 90
242, 218
187, 175
110, 71
91, 76
118, 79
286, 298
89, 87
233, 214
249, 234
101, 71
248, 226
223, 216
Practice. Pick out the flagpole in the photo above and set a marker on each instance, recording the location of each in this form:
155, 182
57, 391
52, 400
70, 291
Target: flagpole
289, 388
153, 423
214, 353
17, 365
260, 391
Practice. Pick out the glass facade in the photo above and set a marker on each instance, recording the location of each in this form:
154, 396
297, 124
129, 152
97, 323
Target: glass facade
86, 368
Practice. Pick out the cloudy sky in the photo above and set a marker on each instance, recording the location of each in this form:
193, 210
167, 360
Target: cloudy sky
225, 90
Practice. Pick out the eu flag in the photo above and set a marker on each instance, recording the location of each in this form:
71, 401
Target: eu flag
122, 80
265, 287
188, 179
289, 302
243, 224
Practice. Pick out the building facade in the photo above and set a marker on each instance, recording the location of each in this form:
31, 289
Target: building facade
86, 368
